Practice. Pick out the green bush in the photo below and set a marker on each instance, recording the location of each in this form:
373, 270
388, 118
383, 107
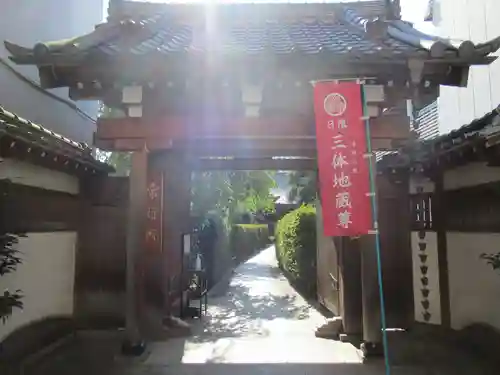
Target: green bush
246, 239
296, 248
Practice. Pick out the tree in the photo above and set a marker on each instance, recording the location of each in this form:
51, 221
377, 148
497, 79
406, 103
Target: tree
232, 193
211, 191
492, 259
120, 161
9, 260
304, 187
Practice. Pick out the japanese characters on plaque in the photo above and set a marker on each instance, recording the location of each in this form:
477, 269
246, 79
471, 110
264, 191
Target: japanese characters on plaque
343, 168
154, 210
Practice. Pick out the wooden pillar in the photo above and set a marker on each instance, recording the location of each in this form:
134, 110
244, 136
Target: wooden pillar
153, 252
350, 286
176, 218
396, 254
372, 333
370, 294
438, 213
134, 244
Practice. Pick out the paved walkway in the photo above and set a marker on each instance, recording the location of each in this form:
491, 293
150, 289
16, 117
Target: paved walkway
260, 319
260, 325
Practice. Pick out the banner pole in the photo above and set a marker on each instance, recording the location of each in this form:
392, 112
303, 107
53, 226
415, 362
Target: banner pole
371, 169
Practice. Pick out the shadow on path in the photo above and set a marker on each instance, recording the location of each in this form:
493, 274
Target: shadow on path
248, 302
261, 325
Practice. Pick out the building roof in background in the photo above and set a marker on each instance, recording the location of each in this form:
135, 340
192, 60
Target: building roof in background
354, 29
22, 138
427, 121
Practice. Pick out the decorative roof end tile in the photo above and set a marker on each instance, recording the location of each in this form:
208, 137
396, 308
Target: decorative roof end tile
467, 49
393, 10
376, 28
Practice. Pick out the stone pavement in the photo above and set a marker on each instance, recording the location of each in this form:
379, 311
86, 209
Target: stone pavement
260, 319
260, 325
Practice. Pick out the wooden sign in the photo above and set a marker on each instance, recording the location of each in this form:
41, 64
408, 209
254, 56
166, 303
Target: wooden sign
154, 212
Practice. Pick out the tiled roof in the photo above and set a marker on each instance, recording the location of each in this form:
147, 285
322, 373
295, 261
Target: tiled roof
46, 141
476, 133
483, 127
270, 36
251, 29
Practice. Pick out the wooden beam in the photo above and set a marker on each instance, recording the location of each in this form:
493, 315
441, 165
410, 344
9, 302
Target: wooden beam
264, 148
185, 128
246, 164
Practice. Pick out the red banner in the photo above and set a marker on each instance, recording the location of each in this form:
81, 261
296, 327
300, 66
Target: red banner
343, 169
154, 213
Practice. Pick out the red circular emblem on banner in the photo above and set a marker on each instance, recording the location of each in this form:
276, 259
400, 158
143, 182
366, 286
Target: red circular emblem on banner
335, 104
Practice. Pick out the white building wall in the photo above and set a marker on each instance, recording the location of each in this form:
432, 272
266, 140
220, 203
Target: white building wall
474, 285
26, 23
20, 172
474, 20
46, 276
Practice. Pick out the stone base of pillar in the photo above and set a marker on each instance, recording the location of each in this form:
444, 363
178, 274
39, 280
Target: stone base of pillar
133, 349
372, 349
352, 339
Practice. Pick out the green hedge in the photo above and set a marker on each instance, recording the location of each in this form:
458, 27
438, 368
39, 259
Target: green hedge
296, 248
246, 239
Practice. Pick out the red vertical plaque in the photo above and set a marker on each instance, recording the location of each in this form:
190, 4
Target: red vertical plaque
343, 168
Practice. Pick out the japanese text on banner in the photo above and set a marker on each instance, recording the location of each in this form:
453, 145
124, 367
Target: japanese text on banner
343, 171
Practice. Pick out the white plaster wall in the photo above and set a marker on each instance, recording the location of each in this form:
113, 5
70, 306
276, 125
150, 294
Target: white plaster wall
46, 278
432, 274
476, 20
474, 285
472, 174
32, 175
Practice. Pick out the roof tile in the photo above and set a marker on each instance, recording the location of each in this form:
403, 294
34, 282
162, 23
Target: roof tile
431, 146
28, 132
237, 29
275, 36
